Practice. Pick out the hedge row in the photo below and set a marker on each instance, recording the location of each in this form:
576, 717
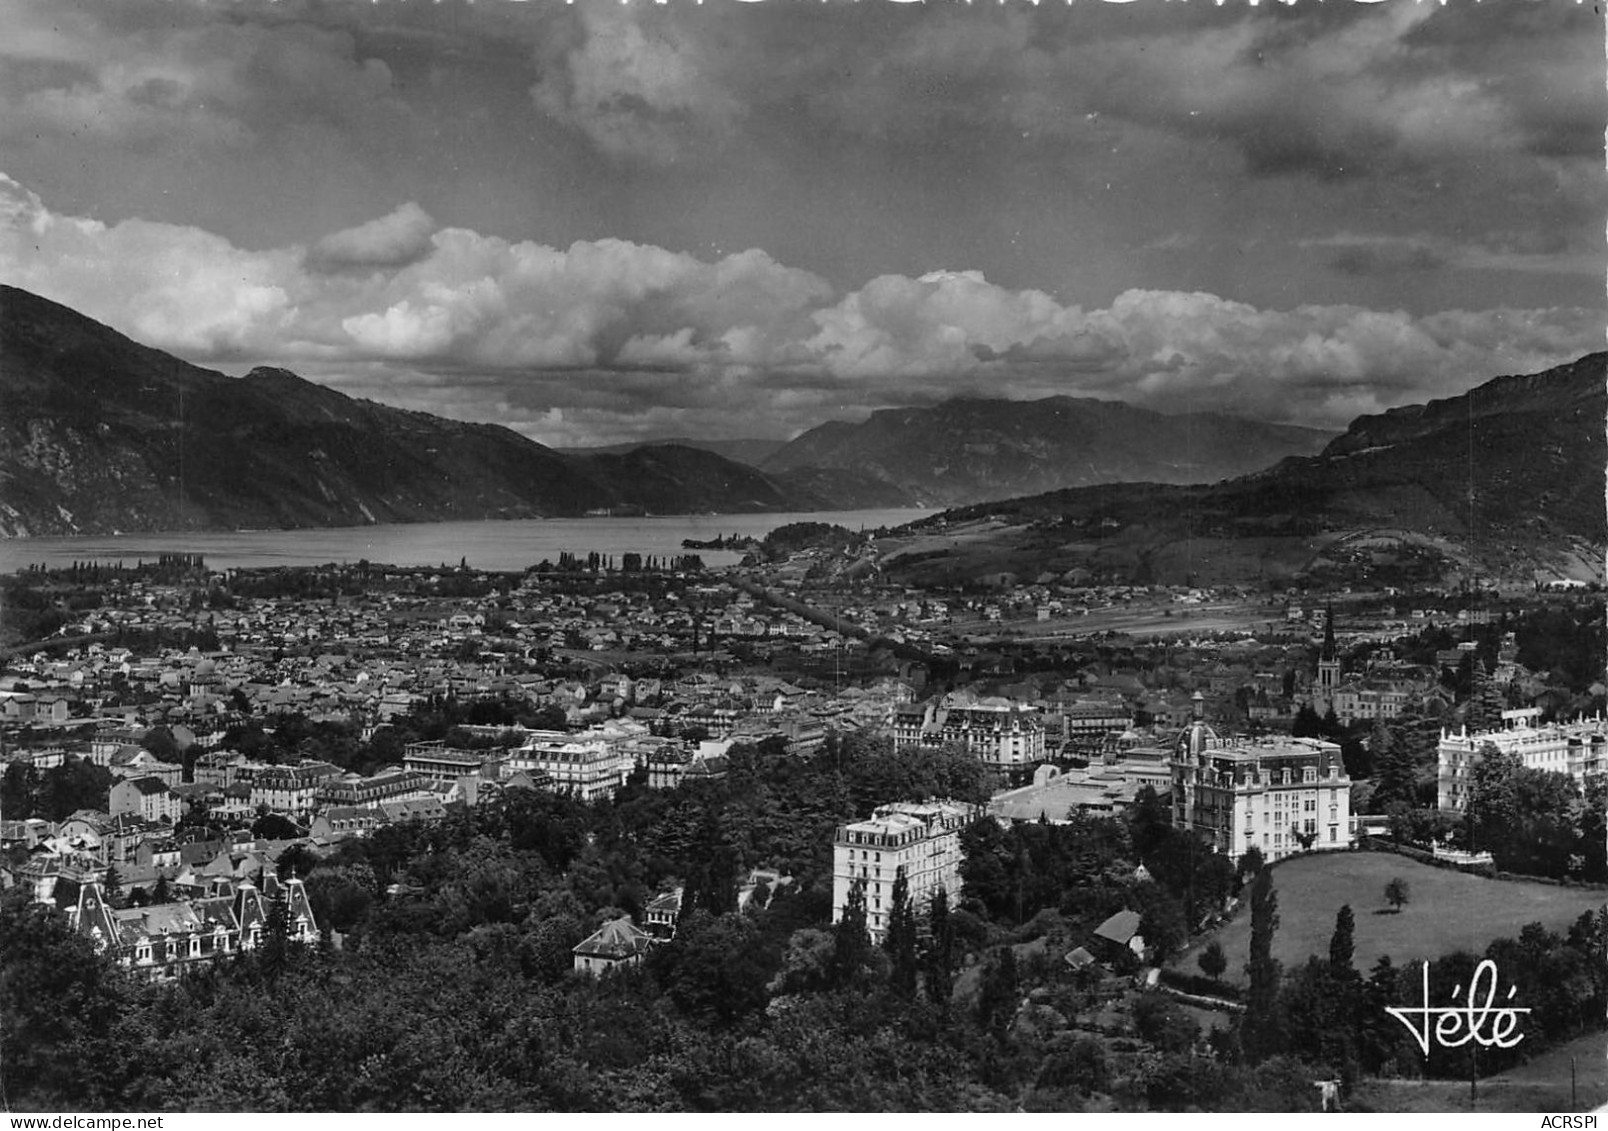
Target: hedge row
1198, 984
1379, 844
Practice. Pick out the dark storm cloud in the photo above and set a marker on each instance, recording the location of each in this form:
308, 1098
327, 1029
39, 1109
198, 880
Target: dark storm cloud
1532, 55
622, 217
1385, 260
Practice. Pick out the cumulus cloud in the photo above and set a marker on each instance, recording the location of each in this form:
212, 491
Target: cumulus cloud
179, 288
635, 86
182, 77
615, 333
393, 240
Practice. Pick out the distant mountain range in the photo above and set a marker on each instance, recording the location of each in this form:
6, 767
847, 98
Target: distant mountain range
752, 452
1503, 482
99, 433
972, 450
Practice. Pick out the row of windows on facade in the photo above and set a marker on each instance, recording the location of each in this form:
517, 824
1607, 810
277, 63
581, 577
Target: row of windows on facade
938, 849
1309, 829
220, 944
144, 950
1278, 800
1268, 819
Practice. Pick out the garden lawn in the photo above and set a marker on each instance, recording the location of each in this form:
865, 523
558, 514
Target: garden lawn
1446, 911
1541, 1084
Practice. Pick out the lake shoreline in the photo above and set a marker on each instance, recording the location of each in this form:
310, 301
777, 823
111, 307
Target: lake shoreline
495, 544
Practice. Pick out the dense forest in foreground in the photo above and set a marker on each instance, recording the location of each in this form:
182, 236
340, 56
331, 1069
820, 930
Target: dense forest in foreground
457, 992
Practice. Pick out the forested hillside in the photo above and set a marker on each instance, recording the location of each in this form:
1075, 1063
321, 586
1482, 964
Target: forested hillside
456, 993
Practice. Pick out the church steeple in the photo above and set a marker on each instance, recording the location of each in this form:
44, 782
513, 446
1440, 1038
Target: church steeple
1328, 663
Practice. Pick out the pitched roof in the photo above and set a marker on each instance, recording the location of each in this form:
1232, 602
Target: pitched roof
215, 911
1120, 928
1079, 958
616, 940
248, 907
158, 919
86, 908
669, 902
297, 905
149, 786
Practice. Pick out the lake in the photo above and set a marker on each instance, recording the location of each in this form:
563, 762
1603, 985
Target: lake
512, 545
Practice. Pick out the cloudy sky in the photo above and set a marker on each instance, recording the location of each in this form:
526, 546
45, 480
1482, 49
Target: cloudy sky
599, 221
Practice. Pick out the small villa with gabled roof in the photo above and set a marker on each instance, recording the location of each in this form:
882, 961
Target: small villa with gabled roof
618, 943
1121, 932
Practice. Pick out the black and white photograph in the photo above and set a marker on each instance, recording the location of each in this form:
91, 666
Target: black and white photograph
714, 556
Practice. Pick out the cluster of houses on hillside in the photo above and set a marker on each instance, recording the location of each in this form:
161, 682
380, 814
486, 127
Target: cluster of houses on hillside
225, 907
1129, 720
1096, 733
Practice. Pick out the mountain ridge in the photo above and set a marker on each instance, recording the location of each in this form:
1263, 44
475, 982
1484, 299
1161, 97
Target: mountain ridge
99, 433
977, 449
1504, 481
753, 451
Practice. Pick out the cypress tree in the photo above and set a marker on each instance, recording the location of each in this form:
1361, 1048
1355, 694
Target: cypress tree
940, 965
996, 1000
1345, 995
1263, 1032
850, 942
900, 942
1343, 943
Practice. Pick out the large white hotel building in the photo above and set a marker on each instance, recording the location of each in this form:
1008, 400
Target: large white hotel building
920, 838
1281, 795
1005, 736
1579, 749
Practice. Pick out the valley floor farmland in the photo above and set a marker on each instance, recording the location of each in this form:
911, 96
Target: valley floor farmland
1447, 911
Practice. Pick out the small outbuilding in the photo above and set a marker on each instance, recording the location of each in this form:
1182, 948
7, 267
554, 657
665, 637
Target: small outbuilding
1121, 932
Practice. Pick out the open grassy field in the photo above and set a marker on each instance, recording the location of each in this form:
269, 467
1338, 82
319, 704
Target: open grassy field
1447, 911
1541, 1085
